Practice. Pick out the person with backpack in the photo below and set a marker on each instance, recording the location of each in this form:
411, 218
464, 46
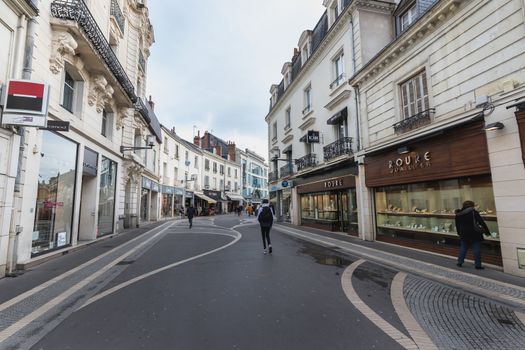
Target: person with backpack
191, 214
471, 228
265, 216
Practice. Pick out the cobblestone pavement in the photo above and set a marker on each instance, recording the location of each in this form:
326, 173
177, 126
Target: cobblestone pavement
458, 320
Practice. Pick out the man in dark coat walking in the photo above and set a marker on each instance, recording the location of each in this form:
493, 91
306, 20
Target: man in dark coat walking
265, 216
471, 228
191, 214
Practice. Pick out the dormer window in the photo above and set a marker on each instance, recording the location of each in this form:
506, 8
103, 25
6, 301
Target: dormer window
287, 73
305, 53
273, 92
334, 8
408, 18
305, 45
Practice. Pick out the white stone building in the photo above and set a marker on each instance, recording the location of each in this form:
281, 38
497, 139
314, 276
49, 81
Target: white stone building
80, 185
254, 176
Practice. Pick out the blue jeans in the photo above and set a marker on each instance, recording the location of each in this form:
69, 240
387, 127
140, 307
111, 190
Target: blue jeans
476, 250
191, 221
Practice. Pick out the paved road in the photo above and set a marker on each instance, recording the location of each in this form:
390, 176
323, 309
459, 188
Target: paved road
212, 287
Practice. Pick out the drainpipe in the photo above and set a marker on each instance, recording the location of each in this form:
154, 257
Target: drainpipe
16, 218
356, 89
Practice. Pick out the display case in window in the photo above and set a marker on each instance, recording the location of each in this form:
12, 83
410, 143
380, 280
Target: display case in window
429, 207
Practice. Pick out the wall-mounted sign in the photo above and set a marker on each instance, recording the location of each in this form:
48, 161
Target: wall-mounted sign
24, 120
155, 187
281, 186
333, 184
90, 163
25, 103
146, 183
61, 239
313, 136
56, 125
410, 162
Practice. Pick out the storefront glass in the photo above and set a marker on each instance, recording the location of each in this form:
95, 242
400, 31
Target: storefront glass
428, 207
337, 210
167, 208
106, 207
56, 191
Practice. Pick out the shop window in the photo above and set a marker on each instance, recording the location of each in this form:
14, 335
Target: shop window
106, 207
428, 207
55, 194
414, 95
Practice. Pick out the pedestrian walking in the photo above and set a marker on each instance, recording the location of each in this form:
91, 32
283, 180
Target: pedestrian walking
249, 209
265, 217
191, 214
471, 228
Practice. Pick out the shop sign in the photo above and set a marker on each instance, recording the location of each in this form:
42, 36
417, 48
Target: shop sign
178, 191
410, 162
333, 183
281, 185
146, 183
168, 190
189, 194
56, 125
25, 103
61, 239
313, 136
90, 163
213, 194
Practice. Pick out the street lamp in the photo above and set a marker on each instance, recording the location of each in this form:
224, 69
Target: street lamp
150, 141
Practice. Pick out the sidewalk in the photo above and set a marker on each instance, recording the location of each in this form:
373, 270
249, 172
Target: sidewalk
490, 283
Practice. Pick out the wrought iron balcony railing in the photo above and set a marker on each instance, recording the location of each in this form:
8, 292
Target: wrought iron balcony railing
76, 10
141, 108
415, 121
287, 170
142, 62
307, 161
116, 12
338, 148
273, 176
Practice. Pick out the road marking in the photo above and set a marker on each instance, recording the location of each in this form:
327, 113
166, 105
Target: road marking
26, 320
159, 270
351, 294
520, 316
417, 333
43, 286
443, 279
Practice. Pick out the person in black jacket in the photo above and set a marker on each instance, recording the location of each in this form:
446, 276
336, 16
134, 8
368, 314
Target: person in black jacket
191, 214
265, 216
470, 227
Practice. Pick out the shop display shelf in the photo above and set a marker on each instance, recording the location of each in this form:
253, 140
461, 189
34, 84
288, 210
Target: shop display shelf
489, 217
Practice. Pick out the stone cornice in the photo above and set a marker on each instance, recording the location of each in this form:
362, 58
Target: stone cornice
333, 31
22, 7
425, 25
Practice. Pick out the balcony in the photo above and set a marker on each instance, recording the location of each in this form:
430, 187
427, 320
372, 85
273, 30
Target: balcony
308, 161
338, 148
116, 12
77, 11
415, 121
287, 170
273, 176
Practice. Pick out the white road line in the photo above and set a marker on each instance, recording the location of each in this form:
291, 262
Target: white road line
417, 333
43, 286
391, 331
17, 326
159, 270
520, 316
326, 241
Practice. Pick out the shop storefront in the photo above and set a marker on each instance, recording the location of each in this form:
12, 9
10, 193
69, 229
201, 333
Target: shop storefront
329, 204
418, 185
204, 204
56, 192
234, 201
149, 200
217, 197
167, 205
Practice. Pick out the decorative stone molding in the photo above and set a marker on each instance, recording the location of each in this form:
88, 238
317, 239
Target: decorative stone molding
123, 114
100, 92
62, 45
132, 173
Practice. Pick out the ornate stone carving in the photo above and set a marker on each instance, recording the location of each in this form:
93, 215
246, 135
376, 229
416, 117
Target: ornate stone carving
123, 114
100, 92
63, 44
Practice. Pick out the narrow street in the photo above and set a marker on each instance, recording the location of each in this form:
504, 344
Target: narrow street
211, 287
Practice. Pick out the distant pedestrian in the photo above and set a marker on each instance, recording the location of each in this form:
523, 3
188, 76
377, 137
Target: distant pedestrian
191, 214
471, 228
249, 209
265, 216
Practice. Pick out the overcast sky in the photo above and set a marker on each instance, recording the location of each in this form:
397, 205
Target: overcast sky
213, 63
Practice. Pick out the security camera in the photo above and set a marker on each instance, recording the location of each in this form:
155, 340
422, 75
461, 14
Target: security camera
150, 140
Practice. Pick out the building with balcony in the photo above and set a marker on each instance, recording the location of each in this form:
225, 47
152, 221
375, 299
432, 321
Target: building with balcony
103, 174
313, 122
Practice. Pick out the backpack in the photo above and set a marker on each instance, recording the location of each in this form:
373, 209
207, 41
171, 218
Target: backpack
266, 216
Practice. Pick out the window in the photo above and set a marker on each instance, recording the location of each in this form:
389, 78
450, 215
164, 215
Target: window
176, 151
287, 117
408, 18
104, 127
307, 100
165, 145
137, 142
305, 52
414, 95
69, 92
235, 173
222, 185
206, 164
338, 70
175, 175
196, 162
221, 169
274, 131
187, 156
107, 193
165, 170
154, 160
229, 185
214, 167
206, 182
229, 171
236, 186
214, 183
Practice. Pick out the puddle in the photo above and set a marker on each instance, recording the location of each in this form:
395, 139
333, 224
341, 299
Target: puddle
324, 256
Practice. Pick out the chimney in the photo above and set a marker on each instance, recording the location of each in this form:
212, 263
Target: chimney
231, 151
295, 53
151, 103
205, 141
173, 131
217, 150
197, 139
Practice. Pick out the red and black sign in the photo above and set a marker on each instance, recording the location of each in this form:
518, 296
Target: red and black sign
26, 97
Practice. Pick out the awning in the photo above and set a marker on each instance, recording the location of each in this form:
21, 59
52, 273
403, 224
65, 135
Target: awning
338, 117
235, 197
287, 149
206, 198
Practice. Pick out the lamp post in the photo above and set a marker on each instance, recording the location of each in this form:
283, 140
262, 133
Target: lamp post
276, 152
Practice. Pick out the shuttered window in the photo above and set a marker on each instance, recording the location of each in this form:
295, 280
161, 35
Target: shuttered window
414, 95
